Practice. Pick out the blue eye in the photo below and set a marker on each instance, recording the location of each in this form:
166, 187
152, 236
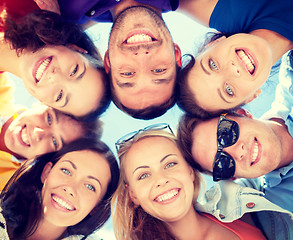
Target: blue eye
143, 176
74, 70
55, 143
213, 65
91, 187
127, 74
49, 119
65, 171
229, 90
59, 95
171, 164
160, 70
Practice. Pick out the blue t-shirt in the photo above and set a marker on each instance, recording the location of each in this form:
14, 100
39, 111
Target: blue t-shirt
244, 16
81, 11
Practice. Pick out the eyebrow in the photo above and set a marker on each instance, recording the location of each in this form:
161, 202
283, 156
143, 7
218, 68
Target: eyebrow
149, 167
203, 68
82, 74
68, 96
57, 121
122, 84
90, 177
162, 81
221, 96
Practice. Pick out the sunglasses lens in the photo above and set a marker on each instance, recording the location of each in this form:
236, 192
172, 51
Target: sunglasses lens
228, 133
224, 167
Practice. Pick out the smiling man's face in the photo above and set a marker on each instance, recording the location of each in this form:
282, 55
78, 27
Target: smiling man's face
257, 151
141, 58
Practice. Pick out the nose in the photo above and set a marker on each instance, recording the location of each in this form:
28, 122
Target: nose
38, 133
235, 70
141, 51
161, 180
69, 190
237, 151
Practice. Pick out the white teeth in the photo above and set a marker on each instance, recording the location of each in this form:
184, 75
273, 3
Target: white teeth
24, 136
255, 152
167, 195
62, 203
41, 69
247, 60
139, 38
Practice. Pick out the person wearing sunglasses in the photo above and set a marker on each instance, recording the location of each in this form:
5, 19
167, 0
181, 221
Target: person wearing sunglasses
238, 146
158, 189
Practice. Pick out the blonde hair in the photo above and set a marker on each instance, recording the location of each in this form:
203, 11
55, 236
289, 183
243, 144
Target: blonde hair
124, 211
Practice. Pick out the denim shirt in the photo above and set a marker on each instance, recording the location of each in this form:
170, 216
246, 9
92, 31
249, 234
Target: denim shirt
228, 201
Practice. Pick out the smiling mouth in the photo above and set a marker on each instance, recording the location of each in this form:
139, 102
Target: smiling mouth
139, 38
167, 196
63, 204
24, 136
255, 152
247, 60
42, 68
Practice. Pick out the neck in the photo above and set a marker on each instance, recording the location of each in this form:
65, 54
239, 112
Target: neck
130, 3
286, 140
279, 44
191, 226
48, 231
9, 61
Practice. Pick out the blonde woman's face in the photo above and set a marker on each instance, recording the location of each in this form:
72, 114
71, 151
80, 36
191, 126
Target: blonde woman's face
159, 178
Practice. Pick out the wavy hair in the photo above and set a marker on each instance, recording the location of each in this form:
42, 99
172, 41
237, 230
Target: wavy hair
131, 221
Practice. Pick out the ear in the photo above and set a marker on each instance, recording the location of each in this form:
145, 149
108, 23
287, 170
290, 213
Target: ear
255, 95
107, 62
192, 173
178, 55
76, 48
244, 112
46, 171
215, 41
132, 195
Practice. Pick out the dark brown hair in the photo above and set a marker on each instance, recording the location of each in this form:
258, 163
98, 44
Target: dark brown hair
41, 28
21, 197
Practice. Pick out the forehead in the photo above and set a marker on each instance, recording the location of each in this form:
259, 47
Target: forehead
88, 163
150, 149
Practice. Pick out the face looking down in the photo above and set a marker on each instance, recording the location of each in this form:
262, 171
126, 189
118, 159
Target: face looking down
256, 152
63, 79
141, 58
230, 71
74, 186
159, 179
40, 130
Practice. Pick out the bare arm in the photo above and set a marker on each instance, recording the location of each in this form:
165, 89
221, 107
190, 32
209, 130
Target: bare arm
50, 5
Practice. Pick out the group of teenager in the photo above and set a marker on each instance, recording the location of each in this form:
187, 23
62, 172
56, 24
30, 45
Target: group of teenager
59, 180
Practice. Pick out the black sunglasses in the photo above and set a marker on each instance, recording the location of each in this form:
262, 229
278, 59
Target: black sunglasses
227, 135
130, 136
